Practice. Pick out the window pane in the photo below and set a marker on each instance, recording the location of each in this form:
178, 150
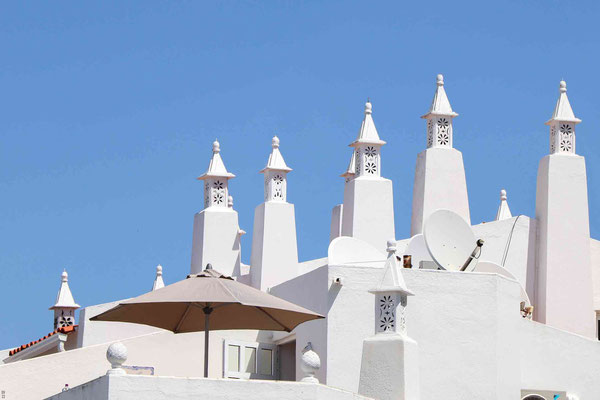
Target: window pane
250, 353
233, 358
265, 362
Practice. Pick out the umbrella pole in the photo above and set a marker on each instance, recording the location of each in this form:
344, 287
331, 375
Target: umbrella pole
207, 310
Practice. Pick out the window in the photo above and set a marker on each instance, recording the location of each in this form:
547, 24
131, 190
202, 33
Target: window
266, 362
249, 360
233, 357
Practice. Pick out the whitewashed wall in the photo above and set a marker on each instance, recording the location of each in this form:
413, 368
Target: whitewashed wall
555, 359
171, 355
96, 332
595, 261
4, 354
468, 328
311, 291
169, 388
439, 183
473, 342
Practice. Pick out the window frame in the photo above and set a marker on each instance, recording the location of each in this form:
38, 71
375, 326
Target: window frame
242, 360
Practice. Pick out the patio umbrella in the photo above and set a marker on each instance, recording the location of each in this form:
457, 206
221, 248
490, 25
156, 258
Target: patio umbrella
209, 301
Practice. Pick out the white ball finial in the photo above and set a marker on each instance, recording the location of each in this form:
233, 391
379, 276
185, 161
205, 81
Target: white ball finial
275, 142
563, 87
230, 201
159, 270
116, 354
503, 194
368, 107
216, 146
440, 80
64, 276
311, 362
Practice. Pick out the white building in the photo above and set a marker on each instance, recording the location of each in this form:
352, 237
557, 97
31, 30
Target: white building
459, 335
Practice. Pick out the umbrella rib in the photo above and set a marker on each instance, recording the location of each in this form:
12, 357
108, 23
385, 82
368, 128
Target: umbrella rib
185, 313
273, 318
225, 287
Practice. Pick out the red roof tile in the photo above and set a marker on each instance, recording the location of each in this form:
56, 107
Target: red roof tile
65, 329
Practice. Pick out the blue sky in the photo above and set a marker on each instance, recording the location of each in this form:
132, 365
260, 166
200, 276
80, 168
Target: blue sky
109, 110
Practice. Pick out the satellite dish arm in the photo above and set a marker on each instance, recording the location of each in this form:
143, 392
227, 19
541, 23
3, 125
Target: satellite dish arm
475, 254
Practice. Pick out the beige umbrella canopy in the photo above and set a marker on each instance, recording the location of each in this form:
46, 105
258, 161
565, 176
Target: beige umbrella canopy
209, 301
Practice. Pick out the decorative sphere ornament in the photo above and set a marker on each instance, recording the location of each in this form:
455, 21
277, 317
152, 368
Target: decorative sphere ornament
310, 364
116, 354
563, 86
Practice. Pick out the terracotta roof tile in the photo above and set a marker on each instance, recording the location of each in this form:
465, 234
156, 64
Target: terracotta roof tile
65, 329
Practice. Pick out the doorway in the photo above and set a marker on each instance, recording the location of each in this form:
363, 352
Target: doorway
287, 361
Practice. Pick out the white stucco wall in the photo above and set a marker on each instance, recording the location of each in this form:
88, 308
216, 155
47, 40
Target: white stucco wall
96, 332
440, 182
169, 388
216, 241
4, 354
456, 325
558, 360
369, 211
310, 290
595, 261
311, 265
564, 295
171, 355
335, 228
473, 343
274, 255
468, 328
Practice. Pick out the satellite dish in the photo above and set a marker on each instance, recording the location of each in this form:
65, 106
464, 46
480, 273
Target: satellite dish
451, 241
417, 250
493, 268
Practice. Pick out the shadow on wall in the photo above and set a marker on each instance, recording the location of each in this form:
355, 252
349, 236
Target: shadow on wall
334, 290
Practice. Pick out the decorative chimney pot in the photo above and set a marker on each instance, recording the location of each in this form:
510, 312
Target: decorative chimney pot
158, 280
367, 148
503, 209
389, 368
65, 306
216, 180
275, 175
439, 118
562, 124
